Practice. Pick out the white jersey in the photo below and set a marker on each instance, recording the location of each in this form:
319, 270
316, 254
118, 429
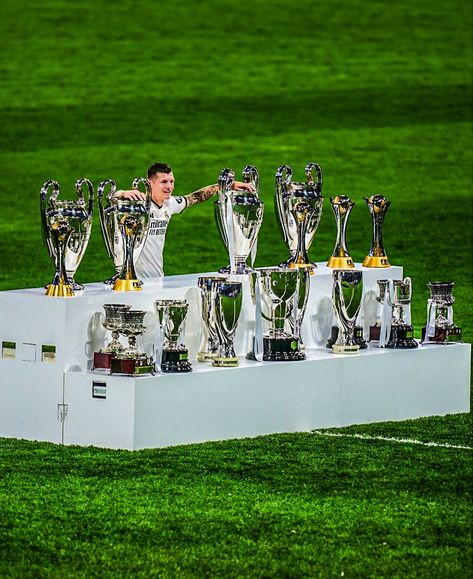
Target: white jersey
150, 260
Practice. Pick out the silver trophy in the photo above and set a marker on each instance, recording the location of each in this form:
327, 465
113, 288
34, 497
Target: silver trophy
112, 322
298, 211
378, 205
207, 285
302, 294
440, 327
66, 229
239, 215
347, 292
375, 329
277, 292
227, 297
340, 258
131, 360
399, 297
171, 316
124, 224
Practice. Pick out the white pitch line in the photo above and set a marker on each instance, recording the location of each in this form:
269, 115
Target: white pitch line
390, 439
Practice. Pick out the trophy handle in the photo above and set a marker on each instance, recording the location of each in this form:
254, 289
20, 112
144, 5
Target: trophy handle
225, 181
103, 225
283, 178
309, 168
408, 281
44, 200
147, 184
251, 175
80, 193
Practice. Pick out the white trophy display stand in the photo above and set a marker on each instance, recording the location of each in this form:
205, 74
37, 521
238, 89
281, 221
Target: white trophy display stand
49, 392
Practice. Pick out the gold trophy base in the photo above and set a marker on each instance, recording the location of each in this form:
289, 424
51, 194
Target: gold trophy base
205, 357
225, 362
127, 285
61, 290
372, 261
336, 349
340, 262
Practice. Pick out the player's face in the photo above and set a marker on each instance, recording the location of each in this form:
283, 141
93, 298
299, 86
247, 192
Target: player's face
162, 186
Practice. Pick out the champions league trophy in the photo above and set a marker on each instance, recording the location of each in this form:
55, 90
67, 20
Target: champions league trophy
347, 291
239, 215
375, 330
298, 210
131, 360
207, 286
112, 322
171, 315
124, 225
398, 295
440, 328
378, 205
66, 229
276, 293
340, 259
227, 297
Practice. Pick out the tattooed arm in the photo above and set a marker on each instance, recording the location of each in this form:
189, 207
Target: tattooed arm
211, 190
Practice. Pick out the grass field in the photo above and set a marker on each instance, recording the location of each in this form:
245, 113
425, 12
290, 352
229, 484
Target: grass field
381, 97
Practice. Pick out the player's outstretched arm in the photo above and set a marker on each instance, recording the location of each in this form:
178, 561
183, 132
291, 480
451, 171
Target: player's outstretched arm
211, 190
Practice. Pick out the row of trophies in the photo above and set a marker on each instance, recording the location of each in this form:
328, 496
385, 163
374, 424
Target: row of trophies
67, 225
280, 298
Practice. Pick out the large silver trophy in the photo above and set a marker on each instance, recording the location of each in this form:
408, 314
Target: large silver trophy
440, 328
340, 258
207, 285
227, 297
347, 292
111, 322
399, 295
239, 214
131, 360
377, 205
124, 224
298, 211
66, 227
171, 316
277, 292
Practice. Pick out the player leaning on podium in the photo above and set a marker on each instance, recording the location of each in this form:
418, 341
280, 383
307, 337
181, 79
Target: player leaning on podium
163, 206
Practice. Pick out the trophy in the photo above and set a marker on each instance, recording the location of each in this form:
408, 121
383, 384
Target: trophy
112, 322
130, 360
207, 286
298, 211
383, 285
276, 295
239, 215
171, 315
124, 224
227, 297
440, 327
399, 296
302, 295
347, 291
340, 258
66, 229
378, 205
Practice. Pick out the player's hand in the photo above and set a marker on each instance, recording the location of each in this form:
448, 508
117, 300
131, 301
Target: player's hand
133, 194
245, 186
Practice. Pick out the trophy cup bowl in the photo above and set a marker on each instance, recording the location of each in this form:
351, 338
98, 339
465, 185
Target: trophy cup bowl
131, 360
347, 292
298, 225
377, 205
171, 315
227, 297
78, 215
402, 333
440, 328
340, 258
111, 322
207, 286
238, 214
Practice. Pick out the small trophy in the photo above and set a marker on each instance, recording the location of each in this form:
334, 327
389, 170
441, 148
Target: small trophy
227, 297
347, 291
376, 328
112, 322
66, 227
378, 205
440, 328
124, 224
239, 215
399, 296
207, 286
340, 258
276, 293
130, 360
171, 315
298, 211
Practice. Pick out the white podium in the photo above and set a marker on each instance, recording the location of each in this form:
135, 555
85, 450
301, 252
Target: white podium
48, 391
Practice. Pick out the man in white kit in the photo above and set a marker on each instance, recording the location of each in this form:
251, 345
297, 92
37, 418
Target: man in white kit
163, 206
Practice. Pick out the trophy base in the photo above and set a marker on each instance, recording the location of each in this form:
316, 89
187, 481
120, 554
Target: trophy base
375, 332
240, 269
111, 280
127, 285
131, 366
175, 361
402, 337
443, 335
292, 263
279, 350
225, 362
103, 361
205, 357
360, 341
338, 349
340, 262
61, 290
372, 261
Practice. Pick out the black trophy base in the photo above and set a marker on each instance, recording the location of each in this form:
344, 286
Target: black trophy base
402, 337
443, 335
175, 361
132, 366
360, 341
279, 350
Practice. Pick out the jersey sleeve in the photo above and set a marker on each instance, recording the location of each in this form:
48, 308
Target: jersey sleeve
177, 204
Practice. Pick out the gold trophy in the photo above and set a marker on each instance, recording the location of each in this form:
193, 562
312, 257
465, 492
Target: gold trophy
378, 205
340, 258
